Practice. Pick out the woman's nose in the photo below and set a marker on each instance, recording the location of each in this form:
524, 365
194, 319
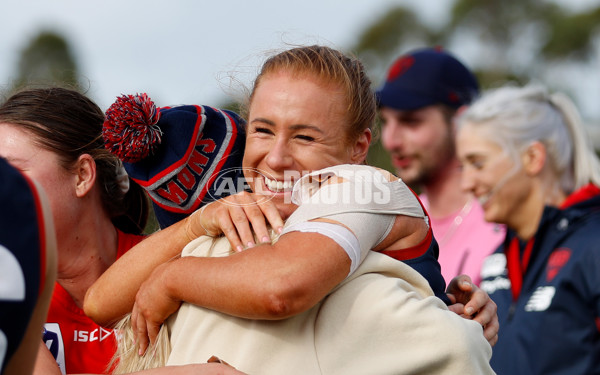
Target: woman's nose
279, 156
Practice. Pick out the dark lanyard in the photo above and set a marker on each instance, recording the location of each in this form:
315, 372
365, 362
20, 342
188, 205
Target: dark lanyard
517, 266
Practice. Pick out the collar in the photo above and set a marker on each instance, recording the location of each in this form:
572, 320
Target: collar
584, 193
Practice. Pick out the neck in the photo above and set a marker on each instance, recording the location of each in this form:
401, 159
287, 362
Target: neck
88, 249
527, 220
444, 193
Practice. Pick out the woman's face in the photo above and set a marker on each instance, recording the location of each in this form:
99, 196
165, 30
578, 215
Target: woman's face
41, 165
492, 176
295, 126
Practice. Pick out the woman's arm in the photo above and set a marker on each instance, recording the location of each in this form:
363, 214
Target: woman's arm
45, 364
113, 294
265, 282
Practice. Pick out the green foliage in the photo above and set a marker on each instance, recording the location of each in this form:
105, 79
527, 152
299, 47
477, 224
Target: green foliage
523, 38
572, 35
389, 31
47, 60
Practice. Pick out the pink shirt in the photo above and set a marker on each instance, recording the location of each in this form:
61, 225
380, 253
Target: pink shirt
465, 239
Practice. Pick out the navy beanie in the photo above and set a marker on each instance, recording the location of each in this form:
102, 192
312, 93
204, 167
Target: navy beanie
175, 153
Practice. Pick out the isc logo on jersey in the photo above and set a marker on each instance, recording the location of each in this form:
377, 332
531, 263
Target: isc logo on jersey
90, 336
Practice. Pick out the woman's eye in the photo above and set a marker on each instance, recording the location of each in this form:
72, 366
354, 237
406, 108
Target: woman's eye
478, 164
305, 138
262, 130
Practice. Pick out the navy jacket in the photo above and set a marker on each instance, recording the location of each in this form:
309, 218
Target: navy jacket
553, 327
21, 254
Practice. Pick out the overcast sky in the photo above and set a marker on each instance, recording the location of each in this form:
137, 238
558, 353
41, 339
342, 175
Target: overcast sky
180, 51
184, 51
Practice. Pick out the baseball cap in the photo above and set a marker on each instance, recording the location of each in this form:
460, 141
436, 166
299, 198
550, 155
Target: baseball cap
426, 77
175, 153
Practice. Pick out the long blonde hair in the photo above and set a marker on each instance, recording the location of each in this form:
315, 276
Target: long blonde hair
127, 360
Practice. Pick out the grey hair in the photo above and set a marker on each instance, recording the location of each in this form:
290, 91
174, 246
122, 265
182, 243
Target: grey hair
515, 117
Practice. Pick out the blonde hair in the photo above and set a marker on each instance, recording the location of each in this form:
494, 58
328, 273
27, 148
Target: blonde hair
331, 67
127, 360
514, 117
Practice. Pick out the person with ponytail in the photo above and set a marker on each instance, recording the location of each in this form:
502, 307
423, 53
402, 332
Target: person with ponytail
54, 136
526, 158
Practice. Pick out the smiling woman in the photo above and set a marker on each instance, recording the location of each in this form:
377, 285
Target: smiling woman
526, 158
322, 282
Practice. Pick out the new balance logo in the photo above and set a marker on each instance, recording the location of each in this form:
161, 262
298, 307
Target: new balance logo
540, 299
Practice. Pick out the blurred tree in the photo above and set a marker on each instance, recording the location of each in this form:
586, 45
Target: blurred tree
515, 41
47, 59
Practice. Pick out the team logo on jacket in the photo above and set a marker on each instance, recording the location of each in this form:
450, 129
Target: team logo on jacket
541, 299
493, 273
557, 260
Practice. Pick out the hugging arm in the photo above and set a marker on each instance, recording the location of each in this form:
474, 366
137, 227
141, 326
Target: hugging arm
471, 302
113, 294
266, 282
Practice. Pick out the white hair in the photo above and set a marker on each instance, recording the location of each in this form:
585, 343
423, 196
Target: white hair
515, 117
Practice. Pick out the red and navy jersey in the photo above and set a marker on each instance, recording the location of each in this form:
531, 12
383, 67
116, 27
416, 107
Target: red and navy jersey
78, 344
22, 257
548, 292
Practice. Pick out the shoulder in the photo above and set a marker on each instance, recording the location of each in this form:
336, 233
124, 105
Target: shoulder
350, 184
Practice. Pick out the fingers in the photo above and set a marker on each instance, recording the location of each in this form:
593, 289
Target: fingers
460, 289
138, 324
235, 225
487, 311
243, 218
490, 331
457, 308
152, 330
460, 284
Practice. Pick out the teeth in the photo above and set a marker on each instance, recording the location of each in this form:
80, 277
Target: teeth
278, 186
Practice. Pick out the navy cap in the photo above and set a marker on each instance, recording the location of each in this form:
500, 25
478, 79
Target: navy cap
427, 77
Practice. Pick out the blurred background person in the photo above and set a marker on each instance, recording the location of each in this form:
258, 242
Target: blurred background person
27, 269
418, 101
54, 136
527, 160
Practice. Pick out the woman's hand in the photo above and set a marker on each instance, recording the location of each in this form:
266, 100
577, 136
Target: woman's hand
153, 305
243, 218
471, 302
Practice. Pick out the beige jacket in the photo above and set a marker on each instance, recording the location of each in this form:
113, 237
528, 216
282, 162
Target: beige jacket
383, 319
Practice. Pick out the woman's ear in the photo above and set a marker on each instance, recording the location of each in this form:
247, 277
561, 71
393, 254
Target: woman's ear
85, 170
361, 147
534, 158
